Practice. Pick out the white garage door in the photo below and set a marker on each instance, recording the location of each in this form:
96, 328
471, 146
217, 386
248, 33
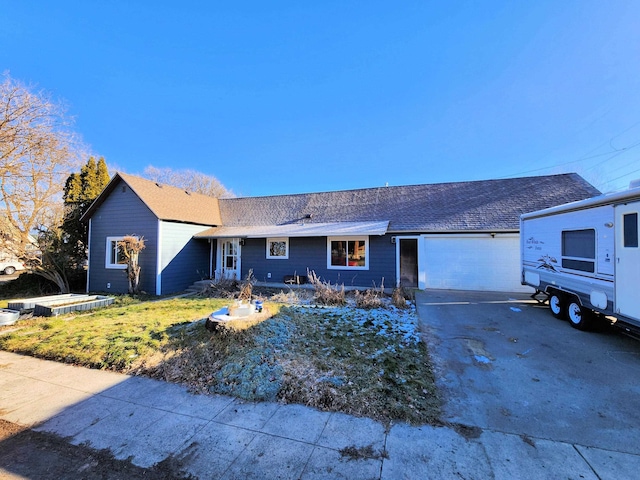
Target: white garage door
473, 262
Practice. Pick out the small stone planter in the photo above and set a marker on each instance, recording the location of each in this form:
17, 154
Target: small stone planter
8, 317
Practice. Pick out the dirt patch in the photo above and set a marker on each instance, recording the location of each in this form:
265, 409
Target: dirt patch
25, 453
363, 453
467, 431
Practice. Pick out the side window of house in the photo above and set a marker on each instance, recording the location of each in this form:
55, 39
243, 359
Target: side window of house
630, 228
278, 248
348, 253
579, 250
114, 256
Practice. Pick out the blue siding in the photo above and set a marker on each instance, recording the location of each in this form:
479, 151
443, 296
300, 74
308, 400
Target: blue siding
311, 253
183, 259
122, 213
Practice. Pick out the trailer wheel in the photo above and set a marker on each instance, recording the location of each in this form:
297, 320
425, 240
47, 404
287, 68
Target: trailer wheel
579, 317
556, 305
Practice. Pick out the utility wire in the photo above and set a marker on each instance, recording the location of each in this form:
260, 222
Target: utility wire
635, 160
613, 155
625, 175
587, 155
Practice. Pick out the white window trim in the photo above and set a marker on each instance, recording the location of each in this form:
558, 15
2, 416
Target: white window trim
107, 259
278, 239
348, 239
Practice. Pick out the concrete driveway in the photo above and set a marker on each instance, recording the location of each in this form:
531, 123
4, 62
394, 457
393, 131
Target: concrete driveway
505, 364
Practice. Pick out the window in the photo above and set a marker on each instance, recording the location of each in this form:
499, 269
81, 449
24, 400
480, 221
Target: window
349, 253
115, 257
630, 226
579, 250
278, 248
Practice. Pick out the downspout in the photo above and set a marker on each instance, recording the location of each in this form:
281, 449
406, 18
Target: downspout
210, 258
88, 256
159, 259
397, 245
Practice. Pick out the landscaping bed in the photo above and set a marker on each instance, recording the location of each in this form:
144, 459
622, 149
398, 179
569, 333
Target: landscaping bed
362, 361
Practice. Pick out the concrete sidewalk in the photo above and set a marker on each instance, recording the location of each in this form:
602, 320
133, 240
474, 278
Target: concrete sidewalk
211, 437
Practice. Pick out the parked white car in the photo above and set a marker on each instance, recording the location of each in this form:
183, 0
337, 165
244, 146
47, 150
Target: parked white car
9, 267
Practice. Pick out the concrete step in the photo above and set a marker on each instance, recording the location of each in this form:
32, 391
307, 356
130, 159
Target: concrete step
199, 286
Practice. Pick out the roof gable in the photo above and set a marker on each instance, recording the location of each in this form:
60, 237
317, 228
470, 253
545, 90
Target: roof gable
459, 206
165, 201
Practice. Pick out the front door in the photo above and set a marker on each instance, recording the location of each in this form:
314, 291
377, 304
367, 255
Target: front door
627, 260
408, 262
229, 254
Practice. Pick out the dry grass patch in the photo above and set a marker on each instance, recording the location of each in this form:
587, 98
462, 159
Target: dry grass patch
363, 362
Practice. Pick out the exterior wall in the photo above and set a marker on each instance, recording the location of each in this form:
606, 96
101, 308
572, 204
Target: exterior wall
311, 253
122, 213
183, 260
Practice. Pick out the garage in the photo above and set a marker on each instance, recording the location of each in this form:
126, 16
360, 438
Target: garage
486, 261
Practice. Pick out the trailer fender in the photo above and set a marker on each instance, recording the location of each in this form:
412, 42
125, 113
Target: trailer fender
598, 299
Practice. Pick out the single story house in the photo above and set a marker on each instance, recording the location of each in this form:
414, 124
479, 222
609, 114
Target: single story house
462, 235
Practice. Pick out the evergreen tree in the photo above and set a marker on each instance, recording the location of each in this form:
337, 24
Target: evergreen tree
80, 190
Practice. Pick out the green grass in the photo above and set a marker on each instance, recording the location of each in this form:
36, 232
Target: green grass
112, 338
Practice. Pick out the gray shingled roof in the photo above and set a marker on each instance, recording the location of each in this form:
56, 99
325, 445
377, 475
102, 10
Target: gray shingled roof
165, 201
460, 206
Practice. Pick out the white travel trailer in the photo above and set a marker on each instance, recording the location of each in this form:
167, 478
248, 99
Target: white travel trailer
585, 257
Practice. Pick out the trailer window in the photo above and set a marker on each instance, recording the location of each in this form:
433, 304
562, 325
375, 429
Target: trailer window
579, 250
630, 229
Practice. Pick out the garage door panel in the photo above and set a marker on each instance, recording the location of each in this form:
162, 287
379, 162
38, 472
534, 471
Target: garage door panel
473, 263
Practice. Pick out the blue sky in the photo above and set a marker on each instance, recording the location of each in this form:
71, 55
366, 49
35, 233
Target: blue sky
287, 97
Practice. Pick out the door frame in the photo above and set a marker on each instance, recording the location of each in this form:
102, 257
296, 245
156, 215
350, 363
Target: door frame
222, 272
419, 243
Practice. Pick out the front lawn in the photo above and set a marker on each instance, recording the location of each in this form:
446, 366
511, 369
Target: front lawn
111, 338
363, 362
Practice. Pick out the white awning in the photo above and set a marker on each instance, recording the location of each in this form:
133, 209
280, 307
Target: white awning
334, 229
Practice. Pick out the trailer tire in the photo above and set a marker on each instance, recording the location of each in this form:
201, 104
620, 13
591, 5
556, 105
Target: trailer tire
579, 317
557, 306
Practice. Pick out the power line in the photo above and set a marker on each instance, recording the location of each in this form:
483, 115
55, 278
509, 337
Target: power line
613, 155
635, 160
625, 175
587, 155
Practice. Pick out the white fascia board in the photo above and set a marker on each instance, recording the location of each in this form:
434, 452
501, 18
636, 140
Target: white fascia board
303, 230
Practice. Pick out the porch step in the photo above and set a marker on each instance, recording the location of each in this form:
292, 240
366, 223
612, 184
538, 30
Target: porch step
199, 286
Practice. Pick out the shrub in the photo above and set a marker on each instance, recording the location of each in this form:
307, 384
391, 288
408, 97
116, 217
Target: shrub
399, 297
28, 285
246, 287
324, 292
293, 297
369, 299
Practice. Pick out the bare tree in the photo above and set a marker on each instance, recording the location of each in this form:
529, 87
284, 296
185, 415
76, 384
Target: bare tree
37, 153
53, 260
189, 180
131, 246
